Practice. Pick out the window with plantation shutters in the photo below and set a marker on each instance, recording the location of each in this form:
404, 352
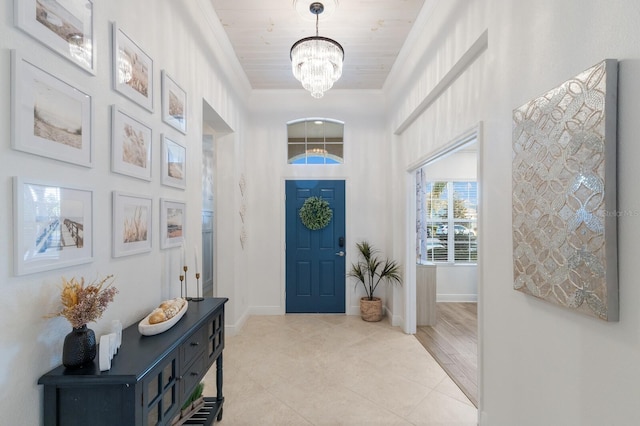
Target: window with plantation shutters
447, 220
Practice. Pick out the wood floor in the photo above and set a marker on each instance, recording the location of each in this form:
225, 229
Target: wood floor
453, 342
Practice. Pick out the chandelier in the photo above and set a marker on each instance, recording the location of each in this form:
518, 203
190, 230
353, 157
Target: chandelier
317, 61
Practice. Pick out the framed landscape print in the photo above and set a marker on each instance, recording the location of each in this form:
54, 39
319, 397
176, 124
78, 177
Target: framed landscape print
172, 223
65, 26
174, 163
131, 142
53, 226
131, 224
50, 117
174, 104
132, 70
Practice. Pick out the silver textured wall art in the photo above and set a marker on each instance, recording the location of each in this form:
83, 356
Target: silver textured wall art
564, 194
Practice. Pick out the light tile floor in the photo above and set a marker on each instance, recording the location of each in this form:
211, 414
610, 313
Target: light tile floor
334, 370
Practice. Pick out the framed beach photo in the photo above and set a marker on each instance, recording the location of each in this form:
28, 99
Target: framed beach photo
132, 230
131, 143
172, 223
174, 163
53, 226
132, 70
174, 104
64, 26
50, 117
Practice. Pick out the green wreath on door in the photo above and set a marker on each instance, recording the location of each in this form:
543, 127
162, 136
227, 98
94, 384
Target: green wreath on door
315, 213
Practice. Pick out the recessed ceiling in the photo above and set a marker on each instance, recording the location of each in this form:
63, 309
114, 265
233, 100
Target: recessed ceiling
372, 32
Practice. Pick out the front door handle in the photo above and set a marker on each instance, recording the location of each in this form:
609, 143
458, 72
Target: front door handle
340, 253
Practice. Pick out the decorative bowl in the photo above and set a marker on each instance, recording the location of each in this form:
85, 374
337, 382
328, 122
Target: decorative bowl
147, 329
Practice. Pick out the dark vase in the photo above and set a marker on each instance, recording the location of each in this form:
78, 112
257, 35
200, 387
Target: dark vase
79, 347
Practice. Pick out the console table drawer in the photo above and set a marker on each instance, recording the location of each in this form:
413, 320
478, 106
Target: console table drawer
193, 346
191, 376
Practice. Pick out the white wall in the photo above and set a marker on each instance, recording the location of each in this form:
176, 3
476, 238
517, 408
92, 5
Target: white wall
591, 361
456, 283
364, 171
460, 165
180, 38
539, 363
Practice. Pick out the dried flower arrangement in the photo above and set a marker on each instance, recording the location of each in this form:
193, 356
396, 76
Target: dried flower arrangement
83, 304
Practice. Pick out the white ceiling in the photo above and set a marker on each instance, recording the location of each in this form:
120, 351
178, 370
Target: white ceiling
371, 32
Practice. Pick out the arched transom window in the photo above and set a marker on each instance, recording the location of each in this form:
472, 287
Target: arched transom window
315, 141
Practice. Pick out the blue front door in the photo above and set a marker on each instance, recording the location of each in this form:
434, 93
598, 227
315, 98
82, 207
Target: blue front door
315, 261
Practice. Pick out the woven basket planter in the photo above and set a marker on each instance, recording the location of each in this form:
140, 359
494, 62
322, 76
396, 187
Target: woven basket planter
371, 310
185, 414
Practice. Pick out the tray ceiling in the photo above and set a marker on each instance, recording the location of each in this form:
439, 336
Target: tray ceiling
372, 32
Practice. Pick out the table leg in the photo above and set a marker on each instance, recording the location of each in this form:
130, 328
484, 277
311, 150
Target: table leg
219, 396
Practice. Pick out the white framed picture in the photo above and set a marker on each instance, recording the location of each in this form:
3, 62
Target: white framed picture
131, 145
132, 69
174, 163
174, 103
64, 26
172, 223
50, 117
53, 226
132, 231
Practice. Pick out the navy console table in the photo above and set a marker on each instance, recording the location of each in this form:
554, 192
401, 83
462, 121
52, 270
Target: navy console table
150, 378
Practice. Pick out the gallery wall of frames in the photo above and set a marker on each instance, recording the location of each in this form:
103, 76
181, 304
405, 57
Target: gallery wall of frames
53, 117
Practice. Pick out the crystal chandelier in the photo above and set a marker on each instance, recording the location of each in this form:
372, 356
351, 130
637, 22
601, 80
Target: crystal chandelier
317, 61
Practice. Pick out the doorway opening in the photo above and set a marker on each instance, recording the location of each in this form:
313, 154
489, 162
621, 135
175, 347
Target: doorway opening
208, 161
213, 127
445, 209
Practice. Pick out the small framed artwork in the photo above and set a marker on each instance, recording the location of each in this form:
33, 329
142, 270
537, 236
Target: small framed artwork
131, 142
172, 223
53, 226
50, 117
174, 163
132, 70
174, 104
131, 224
66, 27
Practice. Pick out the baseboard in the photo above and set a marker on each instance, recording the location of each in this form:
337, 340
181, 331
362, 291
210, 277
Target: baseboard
277, 310
457, 298
353, 310
233, 329
266, 310
394, 320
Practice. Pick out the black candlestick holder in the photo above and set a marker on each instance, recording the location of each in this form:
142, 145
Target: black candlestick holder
184, 268
198, 298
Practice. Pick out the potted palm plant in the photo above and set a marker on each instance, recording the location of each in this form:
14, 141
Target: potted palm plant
372, 270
